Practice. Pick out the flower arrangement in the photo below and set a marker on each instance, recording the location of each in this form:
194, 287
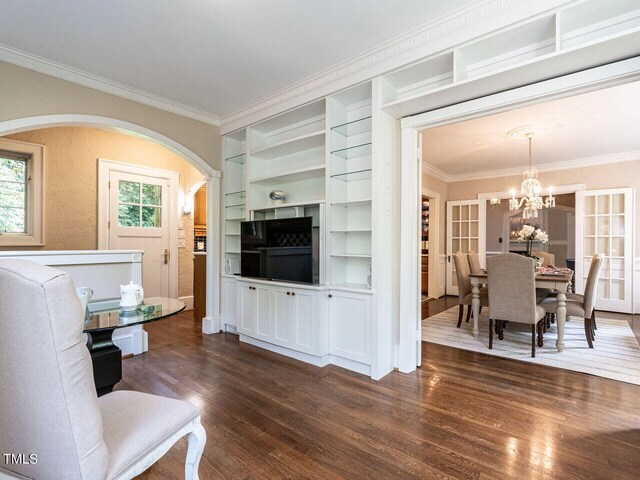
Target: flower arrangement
529, 234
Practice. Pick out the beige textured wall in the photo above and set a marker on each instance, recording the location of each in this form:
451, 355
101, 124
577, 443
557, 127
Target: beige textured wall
71, 166
26, 93
616, 175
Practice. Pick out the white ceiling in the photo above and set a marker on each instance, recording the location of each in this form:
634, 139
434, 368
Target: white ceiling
598, 123
213, 55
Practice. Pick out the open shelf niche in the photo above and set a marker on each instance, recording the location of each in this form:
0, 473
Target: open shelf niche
287, 153
549, 45
349, 189
235, 198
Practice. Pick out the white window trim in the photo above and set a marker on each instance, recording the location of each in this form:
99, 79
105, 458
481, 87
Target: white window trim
34, 236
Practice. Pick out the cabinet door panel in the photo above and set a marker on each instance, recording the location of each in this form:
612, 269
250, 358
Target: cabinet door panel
263, 328
304, 321
247, 308
281, 313
350, 317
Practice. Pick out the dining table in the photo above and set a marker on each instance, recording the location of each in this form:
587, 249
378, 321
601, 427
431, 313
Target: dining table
559, 282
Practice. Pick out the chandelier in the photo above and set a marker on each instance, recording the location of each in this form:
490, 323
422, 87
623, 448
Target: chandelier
530, 188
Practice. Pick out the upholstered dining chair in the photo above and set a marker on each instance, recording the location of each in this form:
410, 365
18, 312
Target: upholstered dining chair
512, 295
548, 259
461, 265
48, 401
582, 306
474, 263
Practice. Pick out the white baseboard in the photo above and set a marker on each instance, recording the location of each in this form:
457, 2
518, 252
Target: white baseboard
287, 352
354, 366
188, 300
228, 328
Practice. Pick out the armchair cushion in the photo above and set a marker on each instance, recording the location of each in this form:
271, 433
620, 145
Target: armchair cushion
135, 423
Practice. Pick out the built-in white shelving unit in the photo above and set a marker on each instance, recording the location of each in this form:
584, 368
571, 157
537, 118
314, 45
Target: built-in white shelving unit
558, 38
235, 198
287, 153
349, 187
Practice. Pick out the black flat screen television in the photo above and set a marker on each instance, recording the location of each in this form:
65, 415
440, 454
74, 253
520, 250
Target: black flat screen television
278, 249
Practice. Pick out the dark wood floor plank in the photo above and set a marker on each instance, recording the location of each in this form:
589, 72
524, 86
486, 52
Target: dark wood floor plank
462, 415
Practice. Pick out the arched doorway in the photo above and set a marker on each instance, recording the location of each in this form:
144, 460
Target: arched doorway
211, 323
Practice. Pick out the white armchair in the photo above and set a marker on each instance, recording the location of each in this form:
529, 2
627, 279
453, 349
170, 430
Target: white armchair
48, 399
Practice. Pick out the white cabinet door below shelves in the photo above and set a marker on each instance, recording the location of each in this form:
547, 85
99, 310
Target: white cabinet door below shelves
281, 315
247, 309
263, 328
350, 317
304, 320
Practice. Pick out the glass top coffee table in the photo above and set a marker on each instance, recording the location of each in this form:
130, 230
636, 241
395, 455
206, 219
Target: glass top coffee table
99, 326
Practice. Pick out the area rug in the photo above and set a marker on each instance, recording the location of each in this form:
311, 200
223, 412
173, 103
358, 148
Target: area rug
616, 353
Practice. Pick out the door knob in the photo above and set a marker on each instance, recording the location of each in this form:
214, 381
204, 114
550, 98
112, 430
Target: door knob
330, 296
293, 293
288, 293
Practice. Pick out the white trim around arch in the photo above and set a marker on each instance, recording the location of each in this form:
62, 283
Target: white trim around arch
617, 73
211, 323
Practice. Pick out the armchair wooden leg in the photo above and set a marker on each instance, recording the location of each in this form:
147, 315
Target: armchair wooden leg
197, 440
480, 309
491, 334
593, 320
533, 340
587, 331
468, 313
460, 311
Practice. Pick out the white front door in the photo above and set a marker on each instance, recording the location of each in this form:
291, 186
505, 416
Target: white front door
139, 220
466, 231
604, 224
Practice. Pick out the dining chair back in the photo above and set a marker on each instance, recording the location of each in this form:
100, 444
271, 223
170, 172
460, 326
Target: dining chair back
512, 294
591, 286
512, 288
462, 274
474, 263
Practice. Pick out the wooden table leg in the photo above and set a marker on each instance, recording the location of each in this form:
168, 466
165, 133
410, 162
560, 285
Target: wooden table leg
561, 317
106, 358
475, 304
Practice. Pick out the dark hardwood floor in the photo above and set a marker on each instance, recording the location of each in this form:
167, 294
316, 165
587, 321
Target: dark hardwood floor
462, 415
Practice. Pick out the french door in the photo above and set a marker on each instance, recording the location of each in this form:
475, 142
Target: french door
466, 231
139, 219
604, 225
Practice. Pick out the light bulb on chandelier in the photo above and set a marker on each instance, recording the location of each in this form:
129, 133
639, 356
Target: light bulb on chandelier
530, 188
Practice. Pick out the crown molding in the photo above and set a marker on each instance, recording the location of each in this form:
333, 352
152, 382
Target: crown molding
544, 167
80, 77
474, 20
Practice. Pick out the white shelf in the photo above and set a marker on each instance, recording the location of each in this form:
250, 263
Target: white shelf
352, 287
232, 234
351, 203
350, 230
316, 171
351, 255
271, 206
290, 146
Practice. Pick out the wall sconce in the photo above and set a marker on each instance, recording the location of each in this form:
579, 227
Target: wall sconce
495, 201
187, 208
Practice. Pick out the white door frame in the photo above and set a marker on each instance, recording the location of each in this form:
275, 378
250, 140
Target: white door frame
105, 168
410, 172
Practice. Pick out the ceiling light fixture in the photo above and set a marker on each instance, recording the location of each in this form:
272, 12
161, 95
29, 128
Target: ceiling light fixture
530, 188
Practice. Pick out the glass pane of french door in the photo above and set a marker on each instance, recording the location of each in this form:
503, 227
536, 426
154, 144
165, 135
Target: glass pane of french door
465, 232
